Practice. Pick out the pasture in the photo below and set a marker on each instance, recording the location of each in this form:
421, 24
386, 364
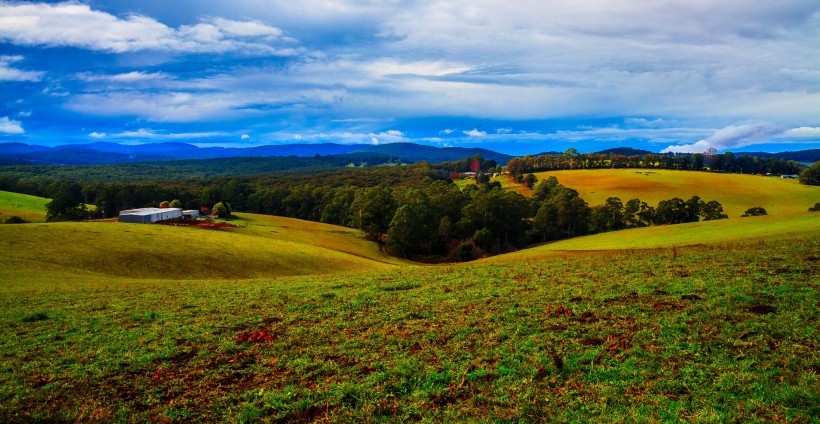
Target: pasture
31, 208
281, 320
735, 192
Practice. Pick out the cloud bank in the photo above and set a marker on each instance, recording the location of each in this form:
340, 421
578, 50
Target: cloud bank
729, 138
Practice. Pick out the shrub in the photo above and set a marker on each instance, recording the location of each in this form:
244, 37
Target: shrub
755, 211
815, 208
464, 252
14, 219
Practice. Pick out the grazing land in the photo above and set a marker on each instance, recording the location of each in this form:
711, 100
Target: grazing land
715, 332
735, 192
31, 208
279, 319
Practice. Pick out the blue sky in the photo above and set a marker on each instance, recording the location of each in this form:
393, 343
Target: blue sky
515, 76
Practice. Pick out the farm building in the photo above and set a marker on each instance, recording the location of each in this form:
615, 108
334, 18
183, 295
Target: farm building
149, 215
190, 214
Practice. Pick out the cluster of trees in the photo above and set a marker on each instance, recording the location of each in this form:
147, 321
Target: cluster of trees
726, 162
810, 175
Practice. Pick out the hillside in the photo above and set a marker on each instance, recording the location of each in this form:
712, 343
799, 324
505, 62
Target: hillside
31, 208
736, 192
264, 246
724, 332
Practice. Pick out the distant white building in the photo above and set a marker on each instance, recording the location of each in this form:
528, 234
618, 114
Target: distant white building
190, 214
149, 215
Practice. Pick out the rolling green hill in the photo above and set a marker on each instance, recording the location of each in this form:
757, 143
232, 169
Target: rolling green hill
268, 247
32, 208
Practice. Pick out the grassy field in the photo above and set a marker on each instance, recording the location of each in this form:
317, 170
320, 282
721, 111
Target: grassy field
725, 332
31, 208
736, 192
281, 320
70, 253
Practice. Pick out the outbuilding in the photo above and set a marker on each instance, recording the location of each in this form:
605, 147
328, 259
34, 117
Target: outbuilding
149, 215
190, 214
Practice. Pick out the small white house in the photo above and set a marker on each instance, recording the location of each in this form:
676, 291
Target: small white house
149, 215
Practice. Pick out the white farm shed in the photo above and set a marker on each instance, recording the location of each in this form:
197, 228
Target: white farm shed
149, 215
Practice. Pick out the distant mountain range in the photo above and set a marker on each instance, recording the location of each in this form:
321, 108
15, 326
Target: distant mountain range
112, 153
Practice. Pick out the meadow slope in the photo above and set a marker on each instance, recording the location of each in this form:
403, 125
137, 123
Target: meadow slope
31, 208
264, 246
735, 192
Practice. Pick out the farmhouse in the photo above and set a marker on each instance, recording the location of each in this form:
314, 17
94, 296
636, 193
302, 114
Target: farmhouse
149, 215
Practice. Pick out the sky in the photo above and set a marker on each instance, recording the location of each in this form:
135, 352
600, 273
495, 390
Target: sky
524, 76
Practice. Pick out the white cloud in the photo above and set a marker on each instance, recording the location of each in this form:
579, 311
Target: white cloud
77, 25
447, 131
24, 114
503, 130
245, 137
10, 126
475, 132
97, 135
730, 137
8, 73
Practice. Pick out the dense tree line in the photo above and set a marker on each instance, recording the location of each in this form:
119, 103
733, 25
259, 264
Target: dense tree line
726, 162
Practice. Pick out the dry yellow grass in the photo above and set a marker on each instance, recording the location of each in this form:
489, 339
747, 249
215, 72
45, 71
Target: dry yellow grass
736, 192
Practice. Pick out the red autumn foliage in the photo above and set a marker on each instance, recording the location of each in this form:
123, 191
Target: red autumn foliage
258, 336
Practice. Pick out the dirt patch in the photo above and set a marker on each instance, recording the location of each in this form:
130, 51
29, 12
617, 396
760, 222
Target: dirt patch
592, 341
691, 297
586, 318
761, 309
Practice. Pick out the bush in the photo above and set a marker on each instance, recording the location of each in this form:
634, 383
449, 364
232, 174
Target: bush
815, 208
14, 219
756, 211
464, 252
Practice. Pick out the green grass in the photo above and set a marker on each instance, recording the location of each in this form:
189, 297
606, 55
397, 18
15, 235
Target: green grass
735, 192
68, 253
717, 333
31, 208
282, 320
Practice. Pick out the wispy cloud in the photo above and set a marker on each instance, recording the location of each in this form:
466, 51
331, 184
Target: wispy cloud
150, 134
7, 73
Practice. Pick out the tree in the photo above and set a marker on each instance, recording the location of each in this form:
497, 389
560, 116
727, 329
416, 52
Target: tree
483, 238
222, 210
570, 155
815, 208
372, 210
406, 232
530, 180
164, 204
755, 211
672, 211
810, 175
608, 217
712, 210
175, 204
66, 203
